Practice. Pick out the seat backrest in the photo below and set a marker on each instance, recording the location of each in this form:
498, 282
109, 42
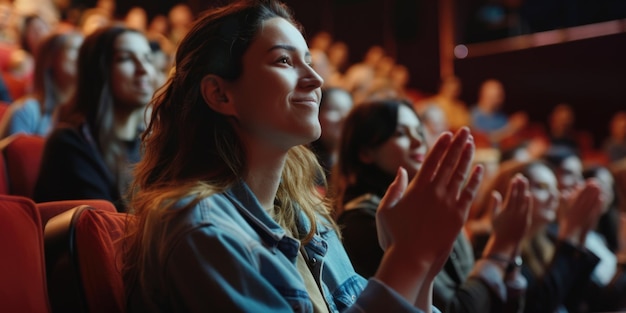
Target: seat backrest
84, 260
97, 240
4, 179
48, 210
22, 267
23, 158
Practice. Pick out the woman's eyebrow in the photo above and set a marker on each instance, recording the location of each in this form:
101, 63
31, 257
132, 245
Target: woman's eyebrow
288, 48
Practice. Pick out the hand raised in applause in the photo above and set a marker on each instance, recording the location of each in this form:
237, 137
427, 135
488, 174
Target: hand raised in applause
418, 222
511, 220
579, 212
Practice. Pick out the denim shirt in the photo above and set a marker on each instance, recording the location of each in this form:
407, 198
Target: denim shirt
227, 254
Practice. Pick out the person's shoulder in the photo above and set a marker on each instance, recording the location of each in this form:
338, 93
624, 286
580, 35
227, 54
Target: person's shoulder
25, 103
215, 209
68, 140
367, 204
65, 133
212, 219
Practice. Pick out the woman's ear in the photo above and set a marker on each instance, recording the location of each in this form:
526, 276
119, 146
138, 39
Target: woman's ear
213, 90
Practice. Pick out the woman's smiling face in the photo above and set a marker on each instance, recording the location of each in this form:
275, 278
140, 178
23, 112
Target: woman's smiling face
277, 96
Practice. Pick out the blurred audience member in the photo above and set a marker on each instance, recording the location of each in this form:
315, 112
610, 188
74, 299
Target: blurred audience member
334, 106
487, 117
88, 155
54, 84
337, 58
562, 130
615, 145
567, 167
180, 18
379, 138
359, 77
608, 225
158, 31
137, 18
107, 6
320, 42
447, 99
93, 19
556, 263
34, 30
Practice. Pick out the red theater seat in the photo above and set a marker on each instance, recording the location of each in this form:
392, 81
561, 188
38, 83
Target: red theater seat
22, 266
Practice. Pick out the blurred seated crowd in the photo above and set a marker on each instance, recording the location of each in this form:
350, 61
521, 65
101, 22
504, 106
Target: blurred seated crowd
84, 82
568, 255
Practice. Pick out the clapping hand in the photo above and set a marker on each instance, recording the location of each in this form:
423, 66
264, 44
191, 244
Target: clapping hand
580, 211
511, 221
421, 219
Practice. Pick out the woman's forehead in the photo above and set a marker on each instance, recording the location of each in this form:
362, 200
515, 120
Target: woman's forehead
279, 32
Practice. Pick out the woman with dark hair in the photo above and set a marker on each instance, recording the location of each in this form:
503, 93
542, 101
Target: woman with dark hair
227, 214
54, 84
380, 136
88, 155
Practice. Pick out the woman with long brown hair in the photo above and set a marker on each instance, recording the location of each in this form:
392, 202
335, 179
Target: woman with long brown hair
228, 218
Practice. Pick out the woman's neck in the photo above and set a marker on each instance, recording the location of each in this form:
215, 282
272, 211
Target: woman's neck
264, 174
126, 123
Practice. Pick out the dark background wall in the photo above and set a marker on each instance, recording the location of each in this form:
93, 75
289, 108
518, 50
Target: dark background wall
589, 74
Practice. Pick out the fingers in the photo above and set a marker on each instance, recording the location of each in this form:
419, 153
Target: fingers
461, 170
516, 192
395, 190
452, 161
524, 209
529, 209
471, 188
589, 196
434, 156
496, 203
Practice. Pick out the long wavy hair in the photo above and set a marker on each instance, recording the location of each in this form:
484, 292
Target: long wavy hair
193, 151
93, 102
367, 126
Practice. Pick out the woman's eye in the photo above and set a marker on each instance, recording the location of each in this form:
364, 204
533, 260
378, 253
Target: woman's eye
122, 58
284, 60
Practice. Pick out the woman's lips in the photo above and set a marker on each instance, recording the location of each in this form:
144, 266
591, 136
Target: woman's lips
418, 157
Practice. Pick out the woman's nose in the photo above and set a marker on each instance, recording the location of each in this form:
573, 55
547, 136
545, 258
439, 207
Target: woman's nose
310, 78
